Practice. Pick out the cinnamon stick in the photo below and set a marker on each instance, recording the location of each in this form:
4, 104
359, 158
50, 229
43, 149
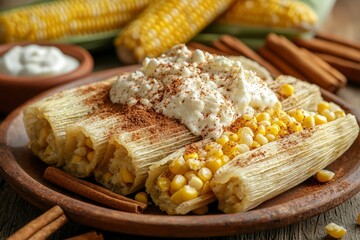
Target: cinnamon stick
282, 65
327, 67
350, 69
291, 53
331, 48
49, 229
42, 226
223, 47
336, 39
87, 236
92, 191
196, 45
244, 50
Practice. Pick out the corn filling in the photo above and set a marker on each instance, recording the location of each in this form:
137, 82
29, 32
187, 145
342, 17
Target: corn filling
83, 150
44, 144
188, 176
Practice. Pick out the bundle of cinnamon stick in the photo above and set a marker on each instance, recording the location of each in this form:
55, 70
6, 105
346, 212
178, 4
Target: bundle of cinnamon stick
313, 60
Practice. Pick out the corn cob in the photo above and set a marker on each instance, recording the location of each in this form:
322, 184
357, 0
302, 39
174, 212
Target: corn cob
272, 13
46, 120
164, 24
256, 152
66, 18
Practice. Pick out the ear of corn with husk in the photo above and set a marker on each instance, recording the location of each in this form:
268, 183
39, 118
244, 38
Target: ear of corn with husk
67, 20
251, 163
166, 23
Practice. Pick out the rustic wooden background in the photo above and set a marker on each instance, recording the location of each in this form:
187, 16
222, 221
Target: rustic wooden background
343, 21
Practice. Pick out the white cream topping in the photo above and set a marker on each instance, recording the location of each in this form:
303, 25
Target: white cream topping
35, 60
203, 92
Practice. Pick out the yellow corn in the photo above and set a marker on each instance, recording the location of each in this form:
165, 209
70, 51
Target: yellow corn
164, 24
141, 197
126, 176
66, 18
271, 13
324, 175
335, 230
286, 90
195, 178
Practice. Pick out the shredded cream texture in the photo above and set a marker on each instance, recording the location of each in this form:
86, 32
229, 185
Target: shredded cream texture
203, 92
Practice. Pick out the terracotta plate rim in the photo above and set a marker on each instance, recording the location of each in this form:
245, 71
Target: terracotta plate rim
170, 226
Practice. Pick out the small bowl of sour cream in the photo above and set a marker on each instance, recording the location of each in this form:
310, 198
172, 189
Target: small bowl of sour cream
27, 69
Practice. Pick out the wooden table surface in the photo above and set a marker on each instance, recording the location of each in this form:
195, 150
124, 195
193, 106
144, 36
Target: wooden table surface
343, 21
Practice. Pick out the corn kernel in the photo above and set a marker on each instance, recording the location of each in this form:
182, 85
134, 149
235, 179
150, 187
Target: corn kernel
189, 193
216, 152
191, 155
206, 188
176, 198
229, 146
88, 143
298, 115
205, 174
126, 176
80, 151
242, 148
225, 158
263, 116
261, 130
90, 155
188, 175
286, 90
309, 122
163, 184
322, 106
319, 119
194, 164
201, 210
255, 144
270, 137
178, 166
286, 119
234, 154
330, 116
196, 183
222, 140
340, 114
295, 127
141, 197
246, 139
265, 123
177, 182
324, 175
214, 164
273, 130
279, 123
245, 130
335, 230
261, 139
234, 137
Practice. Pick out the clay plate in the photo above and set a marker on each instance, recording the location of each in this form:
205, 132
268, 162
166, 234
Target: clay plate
24, 173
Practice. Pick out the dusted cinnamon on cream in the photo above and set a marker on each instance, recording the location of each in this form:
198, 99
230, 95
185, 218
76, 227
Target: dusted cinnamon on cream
204, 92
